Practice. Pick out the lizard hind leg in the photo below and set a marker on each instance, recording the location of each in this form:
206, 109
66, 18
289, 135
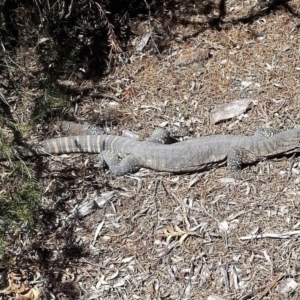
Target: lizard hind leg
118, 167
238, 156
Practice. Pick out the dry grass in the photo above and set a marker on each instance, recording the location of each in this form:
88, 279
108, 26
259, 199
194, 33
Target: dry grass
179, 237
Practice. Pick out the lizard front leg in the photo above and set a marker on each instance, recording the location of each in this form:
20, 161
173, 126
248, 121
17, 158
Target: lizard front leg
160, 136
238, 156
164, 136
265, 132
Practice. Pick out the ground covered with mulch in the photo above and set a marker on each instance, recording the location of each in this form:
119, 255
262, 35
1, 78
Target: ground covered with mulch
157, 235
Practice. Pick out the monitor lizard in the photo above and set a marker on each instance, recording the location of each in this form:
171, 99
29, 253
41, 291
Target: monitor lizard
125, 155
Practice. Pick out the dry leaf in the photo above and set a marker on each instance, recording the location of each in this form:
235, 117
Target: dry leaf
140, 46
288, 286
129, 93
183, 238
171, 232
230, 110
214, 297
192, 55
31, 294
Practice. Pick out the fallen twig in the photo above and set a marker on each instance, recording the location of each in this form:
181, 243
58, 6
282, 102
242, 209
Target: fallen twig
284, 235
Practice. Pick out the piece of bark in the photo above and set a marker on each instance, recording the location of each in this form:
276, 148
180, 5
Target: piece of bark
230, 110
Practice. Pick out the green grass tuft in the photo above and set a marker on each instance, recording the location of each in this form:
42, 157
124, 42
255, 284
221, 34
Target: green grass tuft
19, 199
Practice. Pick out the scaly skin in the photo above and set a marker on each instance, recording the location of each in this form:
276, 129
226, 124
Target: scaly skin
124, 155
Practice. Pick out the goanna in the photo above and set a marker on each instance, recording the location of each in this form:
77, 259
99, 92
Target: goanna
124, 155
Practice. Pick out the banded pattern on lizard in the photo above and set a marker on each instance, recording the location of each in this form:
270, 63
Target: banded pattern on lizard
72, 128
124, 155
69, 128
